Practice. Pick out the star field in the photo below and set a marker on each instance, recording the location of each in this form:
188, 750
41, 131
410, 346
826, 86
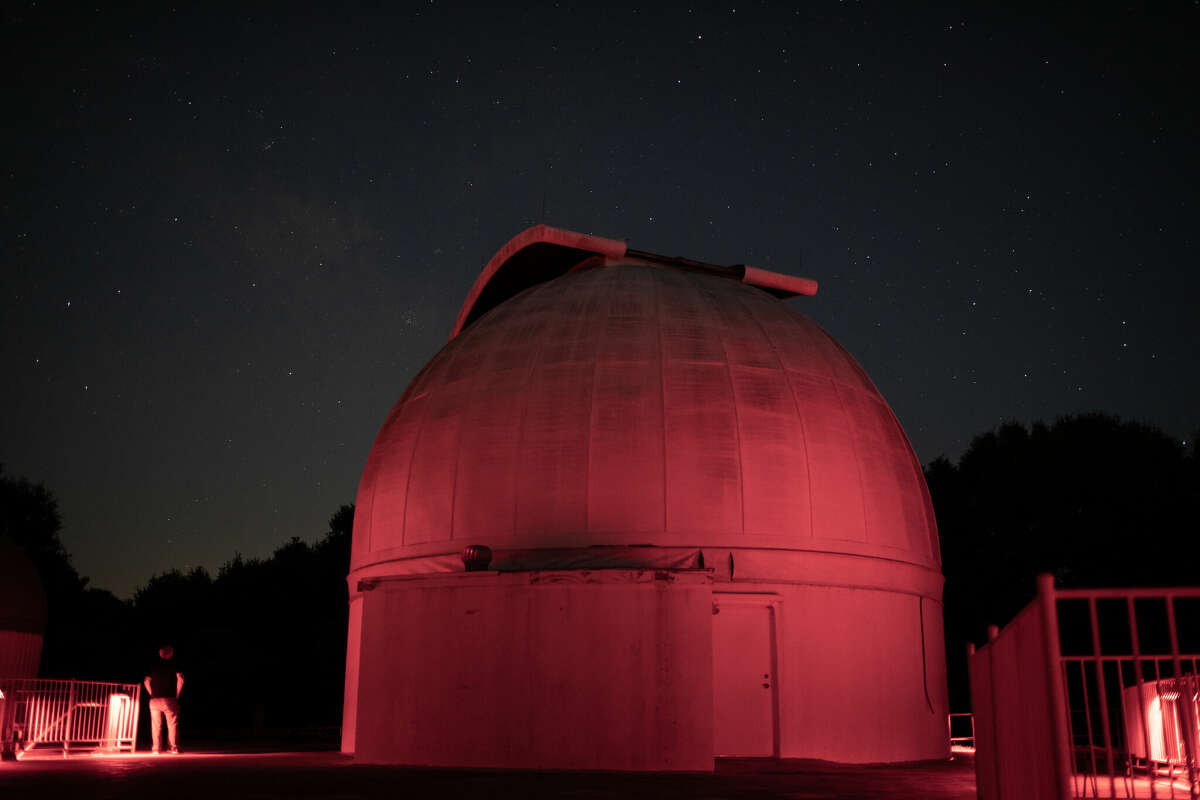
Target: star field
232, 237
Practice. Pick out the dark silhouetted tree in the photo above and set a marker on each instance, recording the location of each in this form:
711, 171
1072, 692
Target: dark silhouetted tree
172, 606
1091, 499
29, 517
263, 644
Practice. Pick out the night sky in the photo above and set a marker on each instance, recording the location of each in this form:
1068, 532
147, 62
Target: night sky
230, 239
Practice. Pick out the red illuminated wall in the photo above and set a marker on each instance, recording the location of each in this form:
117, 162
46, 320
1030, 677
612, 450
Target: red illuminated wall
567, 669
857, 671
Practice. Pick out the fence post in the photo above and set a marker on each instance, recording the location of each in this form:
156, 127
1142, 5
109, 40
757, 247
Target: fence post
993, 633
8, 710
1187, 708
1138, 680
66, 748
137, 710
1057, 697
1102, 691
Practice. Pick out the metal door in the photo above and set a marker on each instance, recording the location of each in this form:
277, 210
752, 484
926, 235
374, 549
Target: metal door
743, 636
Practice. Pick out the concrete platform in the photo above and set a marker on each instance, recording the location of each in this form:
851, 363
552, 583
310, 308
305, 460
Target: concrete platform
264, 776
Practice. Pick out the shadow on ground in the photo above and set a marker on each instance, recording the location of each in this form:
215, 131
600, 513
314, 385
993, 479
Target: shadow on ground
264, 776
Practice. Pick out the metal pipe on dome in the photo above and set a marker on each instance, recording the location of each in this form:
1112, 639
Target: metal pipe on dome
766, 279
774, 282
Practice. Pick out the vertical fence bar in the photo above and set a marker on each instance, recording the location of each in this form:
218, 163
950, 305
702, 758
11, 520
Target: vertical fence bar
1094, 619
1079, 781
1195, 677
1162, 724
34, 723
993, 633
1087, 717
136, 694
58, 721
32, 720
1057, 692
81, 729
1135, 641
1184, 703
1127, 772
70, 714
8, 707
93, 715
46, 712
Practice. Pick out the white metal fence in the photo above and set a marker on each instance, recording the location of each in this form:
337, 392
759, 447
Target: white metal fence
1131, 691
69, 716
1091, 693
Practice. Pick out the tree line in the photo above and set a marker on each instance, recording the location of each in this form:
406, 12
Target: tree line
1095, 500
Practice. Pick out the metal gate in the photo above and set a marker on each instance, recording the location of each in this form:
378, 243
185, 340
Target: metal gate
1091, 693
69, 716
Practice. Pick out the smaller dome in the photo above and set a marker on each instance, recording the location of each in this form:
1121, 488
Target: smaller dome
22, 598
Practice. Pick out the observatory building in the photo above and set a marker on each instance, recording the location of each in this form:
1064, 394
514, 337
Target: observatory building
708, 533
22, 614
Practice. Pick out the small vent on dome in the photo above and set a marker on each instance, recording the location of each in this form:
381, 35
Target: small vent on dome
476, 557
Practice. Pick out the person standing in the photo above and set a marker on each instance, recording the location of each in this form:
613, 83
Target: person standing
164, 682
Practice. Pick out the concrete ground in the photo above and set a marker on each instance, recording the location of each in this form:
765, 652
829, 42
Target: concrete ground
264, 776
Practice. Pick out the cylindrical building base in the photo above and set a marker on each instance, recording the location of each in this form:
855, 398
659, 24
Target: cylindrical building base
649, 669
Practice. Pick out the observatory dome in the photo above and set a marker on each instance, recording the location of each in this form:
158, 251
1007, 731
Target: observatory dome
709, 534
22, 613
636, 404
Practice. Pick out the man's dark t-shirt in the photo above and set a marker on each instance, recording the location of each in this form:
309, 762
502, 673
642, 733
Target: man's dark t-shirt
162, 679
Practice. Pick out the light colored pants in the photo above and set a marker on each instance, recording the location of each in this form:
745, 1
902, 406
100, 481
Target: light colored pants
164, 707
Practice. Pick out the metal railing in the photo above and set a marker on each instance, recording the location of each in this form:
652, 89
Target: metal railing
1091, 693
69, 716
961, 729
1131, 693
